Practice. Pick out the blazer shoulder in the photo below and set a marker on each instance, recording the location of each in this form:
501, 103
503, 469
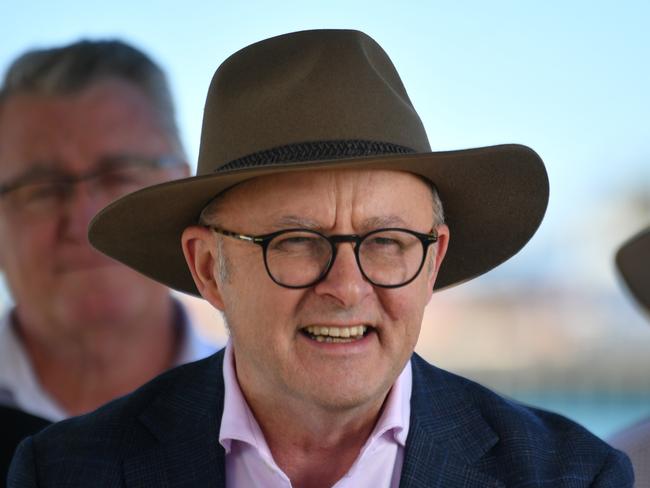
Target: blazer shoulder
529, 439
99, 441
118, 412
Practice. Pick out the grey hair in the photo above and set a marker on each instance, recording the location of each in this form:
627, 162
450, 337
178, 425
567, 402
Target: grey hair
206, 218
71, 68
438, 216
438, 210
223, 263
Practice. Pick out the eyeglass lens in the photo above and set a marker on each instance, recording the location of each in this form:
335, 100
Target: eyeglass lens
386, 258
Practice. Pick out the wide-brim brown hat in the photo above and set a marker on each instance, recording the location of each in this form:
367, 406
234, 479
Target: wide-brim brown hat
326, 99
633, 262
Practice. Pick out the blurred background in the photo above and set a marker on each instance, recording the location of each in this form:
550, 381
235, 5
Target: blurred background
553, 326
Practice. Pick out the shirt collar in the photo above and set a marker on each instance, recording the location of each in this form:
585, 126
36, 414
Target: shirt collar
239, 424
20, 388
397, 409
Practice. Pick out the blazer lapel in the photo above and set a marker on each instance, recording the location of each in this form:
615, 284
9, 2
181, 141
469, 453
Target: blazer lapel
184, 419
447, 434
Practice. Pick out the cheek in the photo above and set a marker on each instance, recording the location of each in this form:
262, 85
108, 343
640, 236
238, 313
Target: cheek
25, 248
249, 291
261, 312
405, 308
268, 308
25, 260
408, 300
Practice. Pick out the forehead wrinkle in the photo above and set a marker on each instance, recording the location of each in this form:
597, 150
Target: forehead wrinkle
39, 167
362, 198
57, 165
56, 168
374, 210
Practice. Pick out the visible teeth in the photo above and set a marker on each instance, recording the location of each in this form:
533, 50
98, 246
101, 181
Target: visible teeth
332, 334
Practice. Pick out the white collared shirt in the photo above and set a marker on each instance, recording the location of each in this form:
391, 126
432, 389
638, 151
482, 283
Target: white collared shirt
20, 388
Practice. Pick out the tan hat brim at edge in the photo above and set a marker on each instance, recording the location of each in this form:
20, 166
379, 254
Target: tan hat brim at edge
633, 262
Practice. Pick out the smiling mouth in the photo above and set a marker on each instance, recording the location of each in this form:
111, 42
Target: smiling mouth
336, 334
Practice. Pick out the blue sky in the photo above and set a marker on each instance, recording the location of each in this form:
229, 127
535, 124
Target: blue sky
571, 79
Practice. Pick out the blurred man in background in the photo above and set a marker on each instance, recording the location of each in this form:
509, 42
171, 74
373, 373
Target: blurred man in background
633, 262
15, 425
80, 126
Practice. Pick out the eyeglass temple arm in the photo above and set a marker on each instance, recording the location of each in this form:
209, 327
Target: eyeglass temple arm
235, 235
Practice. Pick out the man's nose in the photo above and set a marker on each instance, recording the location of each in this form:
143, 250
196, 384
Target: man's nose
81, 205
344, 281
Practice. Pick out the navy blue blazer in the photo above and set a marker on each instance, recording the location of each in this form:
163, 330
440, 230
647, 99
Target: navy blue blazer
166, 434
15, 425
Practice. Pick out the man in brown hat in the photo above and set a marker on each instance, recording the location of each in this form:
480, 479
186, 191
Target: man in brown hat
81, 125
633, 263
316, 226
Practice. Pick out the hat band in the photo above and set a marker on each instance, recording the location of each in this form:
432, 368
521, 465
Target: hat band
315, 151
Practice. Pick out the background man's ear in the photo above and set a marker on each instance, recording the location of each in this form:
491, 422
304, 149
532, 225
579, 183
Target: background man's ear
200, 254
180, 171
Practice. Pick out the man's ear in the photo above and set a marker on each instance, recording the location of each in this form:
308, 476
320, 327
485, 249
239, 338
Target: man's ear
440, 251
200, 251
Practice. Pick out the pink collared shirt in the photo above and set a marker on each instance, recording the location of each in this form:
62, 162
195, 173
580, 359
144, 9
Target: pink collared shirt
249, 462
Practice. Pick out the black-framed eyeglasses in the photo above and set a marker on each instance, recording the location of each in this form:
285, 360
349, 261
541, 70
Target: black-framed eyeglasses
300, 258
42, 190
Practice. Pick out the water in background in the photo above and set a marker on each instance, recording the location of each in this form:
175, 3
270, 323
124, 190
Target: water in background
603, 413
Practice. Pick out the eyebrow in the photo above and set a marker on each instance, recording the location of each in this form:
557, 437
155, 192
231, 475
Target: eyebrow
383, 221
297, 221
378, 222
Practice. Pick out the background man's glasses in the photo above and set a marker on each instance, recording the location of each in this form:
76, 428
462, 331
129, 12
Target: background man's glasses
43, 191
300, 258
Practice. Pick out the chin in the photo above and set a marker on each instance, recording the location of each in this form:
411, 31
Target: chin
105, 284
89, 312
100, 304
